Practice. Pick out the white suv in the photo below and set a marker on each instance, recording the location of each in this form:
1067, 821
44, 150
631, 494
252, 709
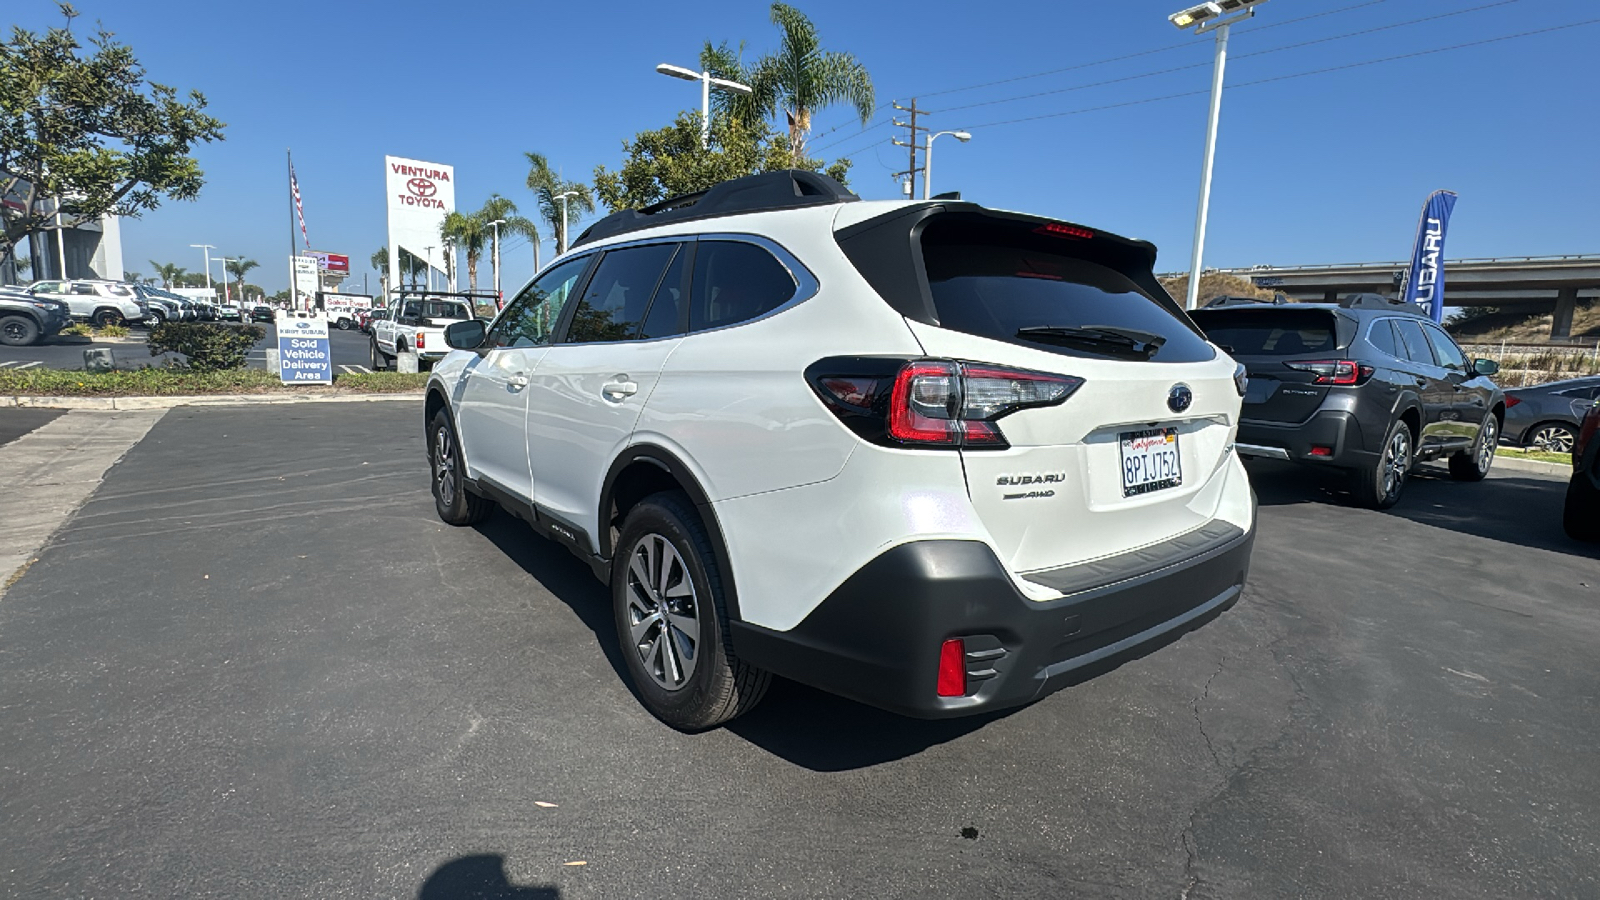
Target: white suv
99, 301
938, 458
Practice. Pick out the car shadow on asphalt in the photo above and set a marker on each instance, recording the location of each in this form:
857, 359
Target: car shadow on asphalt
481, 876
808, 727
1516, 509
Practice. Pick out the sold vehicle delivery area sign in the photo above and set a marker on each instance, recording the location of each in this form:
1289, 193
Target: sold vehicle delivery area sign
303, 352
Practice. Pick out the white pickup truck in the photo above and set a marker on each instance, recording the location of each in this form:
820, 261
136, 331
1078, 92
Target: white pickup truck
417, 327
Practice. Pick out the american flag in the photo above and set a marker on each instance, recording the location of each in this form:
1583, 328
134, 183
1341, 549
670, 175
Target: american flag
294, 188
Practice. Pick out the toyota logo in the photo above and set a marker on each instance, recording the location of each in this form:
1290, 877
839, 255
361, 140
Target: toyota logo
422, 187
1179, 398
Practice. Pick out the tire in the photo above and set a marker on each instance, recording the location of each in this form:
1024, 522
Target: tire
1551, 437
664, 559
344, 325
455, 504
18, 331
103, 317
378, 358
154, 320
1581, 514
1473, 463
1379, 486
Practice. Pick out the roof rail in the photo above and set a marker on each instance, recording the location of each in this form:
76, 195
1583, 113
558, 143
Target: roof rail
1377, 301
786, 189
1224, 301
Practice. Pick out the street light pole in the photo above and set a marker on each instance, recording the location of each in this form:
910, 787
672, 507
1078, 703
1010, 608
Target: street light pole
207, 251
561, 239
927, 159
1208, 16
430, 266
706, 81
227, 295
496, 226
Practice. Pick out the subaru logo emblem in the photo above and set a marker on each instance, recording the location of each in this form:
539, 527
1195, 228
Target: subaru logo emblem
1179, 398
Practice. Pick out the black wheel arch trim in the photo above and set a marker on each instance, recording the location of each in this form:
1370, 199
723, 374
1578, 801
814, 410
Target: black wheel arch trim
667, 461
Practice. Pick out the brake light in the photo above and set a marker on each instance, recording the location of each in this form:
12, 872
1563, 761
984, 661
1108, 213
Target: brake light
1512, 401
1334, 371
952, 669
932, 402
1061, 229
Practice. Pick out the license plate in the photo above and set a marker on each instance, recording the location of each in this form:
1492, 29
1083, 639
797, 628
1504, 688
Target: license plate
1150, 461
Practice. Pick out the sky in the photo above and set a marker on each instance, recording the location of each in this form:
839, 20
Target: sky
1327, 167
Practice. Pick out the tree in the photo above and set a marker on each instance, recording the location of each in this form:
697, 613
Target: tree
238, 267
670, 162
380, 261
85, 129
799, 79
547, 185
168, 273
133, 277
498, 207
469, 232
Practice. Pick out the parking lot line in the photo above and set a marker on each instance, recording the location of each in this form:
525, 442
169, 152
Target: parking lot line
356, 370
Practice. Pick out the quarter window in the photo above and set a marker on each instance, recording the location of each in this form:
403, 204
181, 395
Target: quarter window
735, 282
1382, 336
618, 296
529, 320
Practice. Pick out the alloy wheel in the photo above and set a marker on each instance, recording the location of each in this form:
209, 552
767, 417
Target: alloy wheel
444, 466
14, 330
1552, 439
663, 612
1488, 436
1398, 462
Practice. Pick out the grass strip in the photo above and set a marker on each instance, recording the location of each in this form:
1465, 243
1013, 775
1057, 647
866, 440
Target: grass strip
188, 382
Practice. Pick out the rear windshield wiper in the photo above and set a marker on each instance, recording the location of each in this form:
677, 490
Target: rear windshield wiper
1107, 339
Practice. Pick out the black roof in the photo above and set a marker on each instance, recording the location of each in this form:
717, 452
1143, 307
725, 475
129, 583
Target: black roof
788, 189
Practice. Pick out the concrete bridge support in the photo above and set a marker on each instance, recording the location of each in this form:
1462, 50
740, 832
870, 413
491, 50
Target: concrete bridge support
1566, 304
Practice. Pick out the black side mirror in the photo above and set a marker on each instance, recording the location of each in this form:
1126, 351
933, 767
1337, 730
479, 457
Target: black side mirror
1485, 367
466, 335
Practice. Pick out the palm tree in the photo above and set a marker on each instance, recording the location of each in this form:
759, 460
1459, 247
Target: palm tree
498, 207
169, 273
238, 267
800, 78
548, 186
469, 232
380, 261
133, 277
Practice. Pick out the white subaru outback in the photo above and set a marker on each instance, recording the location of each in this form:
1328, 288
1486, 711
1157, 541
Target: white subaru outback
934, 457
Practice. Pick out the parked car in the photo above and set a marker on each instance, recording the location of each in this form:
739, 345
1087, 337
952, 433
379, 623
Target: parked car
261, 314
161, 306
1546, 416
373, 315
28, 319
1366, 385
938, 458
417, 327
1581, 514
98, 301
230, 312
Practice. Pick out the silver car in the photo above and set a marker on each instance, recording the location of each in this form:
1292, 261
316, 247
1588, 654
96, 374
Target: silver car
1546, 416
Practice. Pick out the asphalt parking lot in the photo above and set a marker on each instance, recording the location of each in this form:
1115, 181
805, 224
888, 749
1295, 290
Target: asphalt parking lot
350, 352
255, 664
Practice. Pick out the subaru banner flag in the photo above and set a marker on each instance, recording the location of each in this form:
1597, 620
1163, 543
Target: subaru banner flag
1424, 284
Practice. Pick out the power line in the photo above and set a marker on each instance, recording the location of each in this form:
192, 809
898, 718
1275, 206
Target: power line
1355, 65
1236, 57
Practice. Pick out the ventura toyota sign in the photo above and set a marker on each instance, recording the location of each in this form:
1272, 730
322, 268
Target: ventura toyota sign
420, 195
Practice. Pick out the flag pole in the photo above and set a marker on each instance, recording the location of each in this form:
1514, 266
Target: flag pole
294, 293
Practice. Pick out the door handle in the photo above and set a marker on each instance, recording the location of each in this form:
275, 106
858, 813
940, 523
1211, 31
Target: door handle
1421, 382
619, 388
518, 381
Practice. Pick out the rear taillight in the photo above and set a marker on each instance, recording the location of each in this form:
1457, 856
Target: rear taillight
1333, 371
932, 402
421, 340
1586, 431
1512, 401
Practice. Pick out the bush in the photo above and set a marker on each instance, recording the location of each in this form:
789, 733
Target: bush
209, 347
78, 329
112, 330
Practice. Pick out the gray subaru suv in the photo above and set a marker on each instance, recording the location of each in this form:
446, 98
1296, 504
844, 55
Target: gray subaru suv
1367, 385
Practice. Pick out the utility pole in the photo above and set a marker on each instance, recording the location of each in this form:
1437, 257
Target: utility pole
910, 143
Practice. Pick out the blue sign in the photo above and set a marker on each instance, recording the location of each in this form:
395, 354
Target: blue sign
1424, 284
304, 356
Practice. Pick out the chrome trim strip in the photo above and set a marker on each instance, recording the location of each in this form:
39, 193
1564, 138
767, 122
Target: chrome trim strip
1258, 450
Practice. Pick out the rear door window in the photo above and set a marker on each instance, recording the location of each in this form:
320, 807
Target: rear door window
1381, 335
1269, 332
735, 282
615, 302
1416, 345
1031, 290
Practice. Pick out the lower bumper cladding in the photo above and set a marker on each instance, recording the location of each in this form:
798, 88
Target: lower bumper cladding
881, 637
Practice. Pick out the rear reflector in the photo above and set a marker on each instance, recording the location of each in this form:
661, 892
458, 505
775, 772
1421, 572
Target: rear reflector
953, 669
1512, 401
1321, 451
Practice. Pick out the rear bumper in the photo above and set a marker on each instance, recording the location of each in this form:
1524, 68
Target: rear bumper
1337, 430
876, 639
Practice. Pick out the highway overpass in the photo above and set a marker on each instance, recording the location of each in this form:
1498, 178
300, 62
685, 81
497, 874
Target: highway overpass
1532, 284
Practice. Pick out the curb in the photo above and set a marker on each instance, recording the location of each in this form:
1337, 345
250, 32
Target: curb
1532, 465
115, 403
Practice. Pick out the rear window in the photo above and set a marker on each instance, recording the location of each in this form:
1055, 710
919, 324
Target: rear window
1048, 293
1269, 332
